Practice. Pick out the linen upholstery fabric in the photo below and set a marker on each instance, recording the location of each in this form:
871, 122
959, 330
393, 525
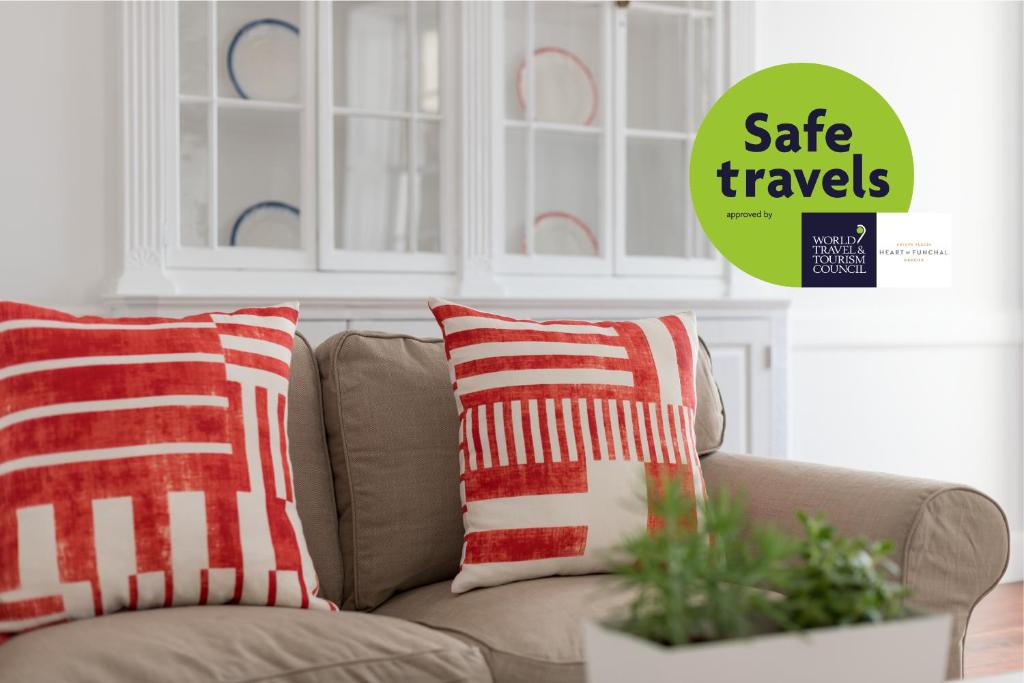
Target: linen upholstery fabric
529, 630
952, 542
240, 644
144, 463
311, 463
564, 425
392, 528
709, 423
393, 436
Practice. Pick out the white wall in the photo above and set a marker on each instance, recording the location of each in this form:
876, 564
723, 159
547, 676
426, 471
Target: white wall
924, 383
58, 146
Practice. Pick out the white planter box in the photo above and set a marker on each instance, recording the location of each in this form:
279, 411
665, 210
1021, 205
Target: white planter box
912, 650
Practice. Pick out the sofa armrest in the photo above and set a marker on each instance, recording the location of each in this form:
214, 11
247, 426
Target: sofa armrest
952, 542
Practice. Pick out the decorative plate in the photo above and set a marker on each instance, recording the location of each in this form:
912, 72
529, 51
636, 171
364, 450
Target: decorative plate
270, 225
263, 60
564, 89
563, 234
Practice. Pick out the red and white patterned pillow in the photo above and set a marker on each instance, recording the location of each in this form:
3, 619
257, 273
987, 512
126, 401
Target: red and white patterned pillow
144, 463
564, 426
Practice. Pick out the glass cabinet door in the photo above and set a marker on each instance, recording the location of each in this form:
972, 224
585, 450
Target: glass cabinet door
245, 129
385, 113
556, 134
325, 134
670, 76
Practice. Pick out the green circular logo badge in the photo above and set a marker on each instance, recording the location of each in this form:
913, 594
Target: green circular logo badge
789, 140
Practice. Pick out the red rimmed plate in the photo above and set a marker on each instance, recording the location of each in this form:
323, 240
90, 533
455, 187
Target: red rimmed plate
564, 88
560, 233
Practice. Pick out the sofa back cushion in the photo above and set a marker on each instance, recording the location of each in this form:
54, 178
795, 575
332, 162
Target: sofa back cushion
392, 432
710, 420
314, 481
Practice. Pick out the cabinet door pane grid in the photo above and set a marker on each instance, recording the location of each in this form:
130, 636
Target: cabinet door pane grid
549, 159
661, 143
211, 251
343, 214
524, 137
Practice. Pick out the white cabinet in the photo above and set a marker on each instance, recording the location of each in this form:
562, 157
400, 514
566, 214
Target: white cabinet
385, 137
555, 62
601, 106
750, 360
476, 145
683, 45
246, 137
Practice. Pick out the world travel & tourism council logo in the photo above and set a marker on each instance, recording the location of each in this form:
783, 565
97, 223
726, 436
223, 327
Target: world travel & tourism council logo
839, 250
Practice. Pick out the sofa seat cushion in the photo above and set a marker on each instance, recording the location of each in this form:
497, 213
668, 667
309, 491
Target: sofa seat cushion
530, 630
238, 644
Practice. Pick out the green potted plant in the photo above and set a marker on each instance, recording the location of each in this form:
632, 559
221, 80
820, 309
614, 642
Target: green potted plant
733, 603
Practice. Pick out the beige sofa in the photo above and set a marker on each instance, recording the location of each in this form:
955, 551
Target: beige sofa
372, 428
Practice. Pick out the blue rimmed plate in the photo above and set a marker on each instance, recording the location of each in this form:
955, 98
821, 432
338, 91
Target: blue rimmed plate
269, 225
264, 61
